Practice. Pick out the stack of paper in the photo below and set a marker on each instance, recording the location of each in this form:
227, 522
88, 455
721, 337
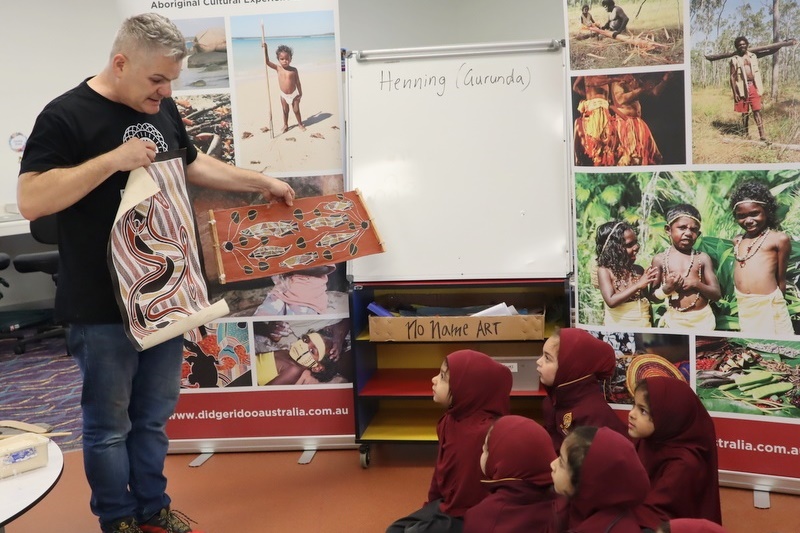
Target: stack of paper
500, 309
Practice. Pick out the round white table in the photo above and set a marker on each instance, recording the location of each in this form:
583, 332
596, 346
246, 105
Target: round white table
21, 492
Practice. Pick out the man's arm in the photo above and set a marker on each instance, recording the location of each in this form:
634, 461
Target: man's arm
733, 69
621, 96
205, 171
579, 85
45, 193
624, 21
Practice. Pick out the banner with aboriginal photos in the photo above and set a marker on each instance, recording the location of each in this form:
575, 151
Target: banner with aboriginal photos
260, 88
686, 175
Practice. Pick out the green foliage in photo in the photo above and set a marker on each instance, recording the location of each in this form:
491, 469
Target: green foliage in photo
643, 198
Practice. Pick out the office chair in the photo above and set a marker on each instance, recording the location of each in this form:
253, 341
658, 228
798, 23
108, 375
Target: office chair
8, 327
44, 230
5, 260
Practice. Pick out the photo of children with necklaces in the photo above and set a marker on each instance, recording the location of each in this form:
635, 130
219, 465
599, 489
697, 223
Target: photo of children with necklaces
761, 256
625, 286
686, 276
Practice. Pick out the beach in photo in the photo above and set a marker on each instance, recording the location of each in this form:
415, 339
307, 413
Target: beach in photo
262, 144
206, 65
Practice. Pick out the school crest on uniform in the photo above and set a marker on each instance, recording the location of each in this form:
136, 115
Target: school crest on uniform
566, 422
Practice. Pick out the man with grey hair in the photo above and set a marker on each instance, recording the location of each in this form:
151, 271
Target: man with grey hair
75, 164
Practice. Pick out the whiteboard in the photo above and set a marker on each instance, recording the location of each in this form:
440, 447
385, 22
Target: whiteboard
461, 156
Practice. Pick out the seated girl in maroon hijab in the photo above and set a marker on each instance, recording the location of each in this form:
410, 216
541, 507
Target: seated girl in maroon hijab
516, 460
678, 447
603, 482
571, 368
476, 390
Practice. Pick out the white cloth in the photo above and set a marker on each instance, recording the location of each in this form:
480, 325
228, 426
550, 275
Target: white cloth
289, 98
701, 319
634, 314
764, 313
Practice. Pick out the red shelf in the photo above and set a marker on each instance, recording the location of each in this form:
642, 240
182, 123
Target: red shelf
413, 382
400, 382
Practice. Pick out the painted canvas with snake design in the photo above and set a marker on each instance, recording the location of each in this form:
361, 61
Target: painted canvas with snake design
153, 256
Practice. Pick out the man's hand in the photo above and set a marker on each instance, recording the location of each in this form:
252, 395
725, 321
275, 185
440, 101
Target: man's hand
134, 153
275, 188
206, 171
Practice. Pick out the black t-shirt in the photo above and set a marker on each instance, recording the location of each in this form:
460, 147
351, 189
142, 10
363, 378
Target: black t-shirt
75, 127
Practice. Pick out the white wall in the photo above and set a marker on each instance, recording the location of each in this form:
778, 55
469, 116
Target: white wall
49, 47
379, 24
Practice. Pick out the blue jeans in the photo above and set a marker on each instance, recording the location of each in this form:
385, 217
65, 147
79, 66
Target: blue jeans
127, 398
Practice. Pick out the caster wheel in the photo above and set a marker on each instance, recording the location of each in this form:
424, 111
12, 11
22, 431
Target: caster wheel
364, 453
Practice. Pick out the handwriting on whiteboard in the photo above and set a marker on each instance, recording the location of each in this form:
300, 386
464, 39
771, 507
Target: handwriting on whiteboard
466, 77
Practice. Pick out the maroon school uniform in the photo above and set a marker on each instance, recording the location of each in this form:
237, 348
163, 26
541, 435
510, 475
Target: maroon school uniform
680, 456
481, 390
576, 396
612, 484
519, 482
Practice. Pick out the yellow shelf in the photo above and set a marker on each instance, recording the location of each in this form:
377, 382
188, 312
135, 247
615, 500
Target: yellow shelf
403, 425
408, 422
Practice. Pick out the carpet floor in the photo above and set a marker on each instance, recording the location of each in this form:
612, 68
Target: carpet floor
42, 386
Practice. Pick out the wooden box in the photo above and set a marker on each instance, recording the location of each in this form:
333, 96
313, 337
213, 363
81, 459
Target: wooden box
459, 328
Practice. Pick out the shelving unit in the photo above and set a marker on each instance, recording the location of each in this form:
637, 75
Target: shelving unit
396, 359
